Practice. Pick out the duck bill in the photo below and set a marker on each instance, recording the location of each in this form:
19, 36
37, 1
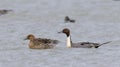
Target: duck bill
25, 39
60, 32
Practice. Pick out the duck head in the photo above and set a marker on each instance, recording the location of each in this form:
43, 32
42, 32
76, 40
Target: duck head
65, 31
30, 37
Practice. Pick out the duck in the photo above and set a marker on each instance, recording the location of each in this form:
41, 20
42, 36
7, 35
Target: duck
67, 19
70, 44
40, 43
4, 11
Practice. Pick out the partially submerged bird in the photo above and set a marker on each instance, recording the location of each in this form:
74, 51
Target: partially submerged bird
4, 11
80, 44
67, 19
40, 43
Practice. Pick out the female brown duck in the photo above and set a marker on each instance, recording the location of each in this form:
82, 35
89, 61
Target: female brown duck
40, 43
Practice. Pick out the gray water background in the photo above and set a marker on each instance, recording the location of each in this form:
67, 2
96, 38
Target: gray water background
96, 21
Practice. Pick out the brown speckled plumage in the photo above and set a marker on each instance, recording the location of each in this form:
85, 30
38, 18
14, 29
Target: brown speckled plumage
41, 43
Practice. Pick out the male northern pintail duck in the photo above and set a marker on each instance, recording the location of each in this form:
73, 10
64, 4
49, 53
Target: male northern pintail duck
67, 19
4, 11
40, 43
80, 44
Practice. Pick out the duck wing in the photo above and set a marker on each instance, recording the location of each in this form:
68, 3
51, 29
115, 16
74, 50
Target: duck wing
48, 41
88, 44
43, 43
84, 44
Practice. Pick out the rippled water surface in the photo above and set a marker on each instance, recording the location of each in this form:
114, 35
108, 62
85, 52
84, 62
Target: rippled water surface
96, 21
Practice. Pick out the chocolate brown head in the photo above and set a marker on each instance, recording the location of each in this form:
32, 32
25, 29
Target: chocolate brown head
30, 37
65, 31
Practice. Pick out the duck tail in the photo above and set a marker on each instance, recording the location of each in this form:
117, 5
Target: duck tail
102, 44
106, 42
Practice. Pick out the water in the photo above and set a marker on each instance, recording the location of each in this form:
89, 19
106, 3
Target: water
96, 21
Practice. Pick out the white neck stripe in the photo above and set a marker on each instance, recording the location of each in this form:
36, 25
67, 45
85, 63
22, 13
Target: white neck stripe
69, 41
